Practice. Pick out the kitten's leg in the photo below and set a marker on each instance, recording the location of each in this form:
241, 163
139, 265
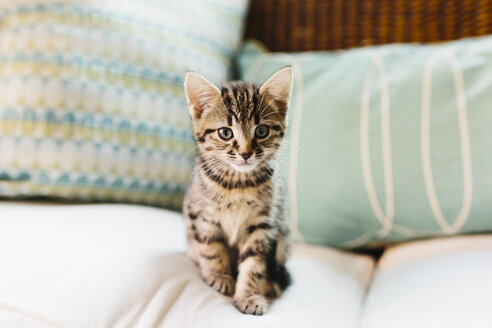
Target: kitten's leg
253, 254
278, 278
210, 251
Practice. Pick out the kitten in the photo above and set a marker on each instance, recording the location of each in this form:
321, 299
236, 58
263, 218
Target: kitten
236, 225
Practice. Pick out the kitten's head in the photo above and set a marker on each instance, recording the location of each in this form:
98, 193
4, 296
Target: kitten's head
239, 125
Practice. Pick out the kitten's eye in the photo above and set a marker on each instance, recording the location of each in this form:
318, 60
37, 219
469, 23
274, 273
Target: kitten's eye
225, 133
262, 131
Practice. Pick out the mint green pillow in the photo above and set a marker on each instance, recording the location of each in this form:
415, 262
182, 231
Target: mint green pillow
387, 143
92, 104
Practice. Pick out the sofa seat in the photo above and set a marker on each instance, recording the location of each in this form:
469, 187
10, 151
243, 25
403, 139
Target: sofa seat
435, 283
125, 266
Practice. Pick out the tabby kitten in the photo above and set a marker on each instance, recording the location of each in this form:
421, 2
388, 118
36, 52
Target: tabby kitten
236, 227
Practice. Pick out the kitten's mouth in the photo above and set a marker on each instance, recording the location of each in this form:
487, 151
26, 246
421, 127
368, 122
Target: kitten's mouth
244, 166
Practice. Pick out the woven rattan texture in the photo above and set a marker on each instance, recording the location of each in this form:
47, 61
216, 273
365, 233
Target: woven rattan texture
302, 25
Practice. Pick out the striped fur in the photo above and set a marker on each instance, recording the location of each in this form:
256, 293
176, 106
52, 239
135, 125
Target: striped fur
236, 227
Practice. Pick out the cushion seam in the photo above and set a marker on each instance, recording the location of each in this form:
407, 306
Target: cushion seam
31, 315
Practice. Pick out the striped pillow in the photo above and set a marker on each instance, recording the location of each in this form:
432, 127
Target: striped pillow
91, 99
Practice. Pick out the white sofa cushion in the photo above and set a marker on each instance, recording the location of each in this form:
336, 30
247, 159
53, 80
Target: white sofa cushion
432, 284
124, 266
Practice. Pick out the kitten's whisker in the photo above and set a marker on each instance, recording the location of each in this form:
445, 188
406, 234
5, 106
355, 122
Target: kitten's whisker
261, 101
268, 105
270, 170
293, 144
220, 109
272, 113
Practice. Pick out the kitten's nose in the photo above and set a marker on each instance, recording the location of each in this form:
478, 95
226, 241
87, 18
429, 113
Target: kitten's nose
246, 155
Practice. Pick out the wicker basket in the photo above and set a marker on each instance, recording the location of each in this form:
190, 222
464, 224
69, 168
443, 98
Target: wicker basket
302, 25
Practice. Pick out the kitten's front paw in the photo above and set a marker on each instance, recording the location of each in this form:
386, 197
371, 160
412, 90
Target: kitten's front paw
254, 304
223, 283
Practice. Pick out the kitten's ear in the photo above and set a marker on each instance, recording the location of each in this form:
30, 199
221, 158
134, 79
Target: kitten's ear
199, 93
279, 86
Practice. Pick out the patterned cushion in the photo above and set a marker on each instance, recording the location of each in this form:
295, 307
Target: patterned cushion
91, 99
387, 143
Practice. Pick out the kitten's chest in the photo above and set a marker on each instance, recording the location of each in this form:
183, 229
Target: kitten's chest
234, 220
